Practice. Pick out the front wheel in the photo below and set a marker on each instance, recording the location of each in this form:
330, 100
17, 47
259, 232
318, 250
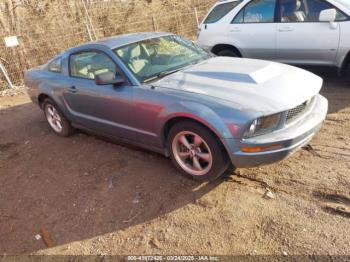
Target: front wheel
196, 152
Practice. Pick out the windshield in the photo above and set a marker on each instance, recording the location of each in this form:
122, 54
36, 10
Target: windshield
345, 3
154, 58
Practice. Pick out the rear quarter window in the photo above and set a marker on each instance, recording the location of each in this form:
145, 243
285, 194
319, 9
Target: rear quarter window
220, 11
56, 65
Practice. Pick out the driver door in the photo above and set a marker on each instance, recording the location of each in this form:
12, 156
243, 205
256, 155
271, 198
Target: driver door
102, 108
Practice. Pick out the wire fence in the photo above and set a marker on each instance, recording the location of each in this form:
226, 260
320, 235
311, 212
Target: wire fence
45, 28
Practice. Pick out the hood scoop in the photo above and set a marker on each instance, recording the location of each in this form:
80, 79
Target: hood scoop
244, 71
260, 85
266, 73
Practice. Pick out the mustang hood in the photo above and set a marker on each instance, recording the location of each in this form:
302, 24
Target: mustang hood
262, 86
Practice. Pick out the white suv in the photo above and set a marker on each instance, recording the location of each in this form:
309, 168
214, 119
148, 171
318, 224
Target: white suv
303, 32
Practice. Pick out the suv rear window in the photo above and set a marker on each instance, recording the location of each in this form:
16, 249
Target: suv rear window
220, 11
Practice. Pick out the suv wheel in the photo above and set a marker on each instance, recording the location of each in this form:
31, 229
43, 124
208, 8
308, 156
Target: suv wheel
57, 121
196, 152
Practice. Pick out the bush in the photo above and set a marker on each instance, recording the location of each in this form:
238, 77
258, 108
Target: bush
47, 27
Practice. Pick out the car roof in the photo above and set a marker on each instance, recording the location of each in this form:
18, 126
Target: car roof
126, 39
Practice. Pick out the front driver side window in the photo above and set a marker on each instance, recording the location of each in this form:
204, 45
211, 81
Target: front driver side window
257, 11
89, 64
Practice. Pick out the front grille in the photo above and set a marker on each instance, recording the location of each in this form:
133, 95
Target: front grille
297, 112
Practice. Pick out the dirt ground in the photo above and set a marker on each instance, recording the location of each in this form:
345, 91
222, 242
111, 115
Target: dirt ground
85, 195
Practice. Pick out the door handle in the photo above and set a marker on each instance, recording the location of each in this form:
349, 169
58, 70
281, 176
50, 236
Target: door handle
235, 29
286, 29
73, 89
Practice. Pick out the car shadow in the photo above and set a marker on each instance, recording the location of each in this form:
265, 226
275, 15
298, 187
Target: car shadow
71, 189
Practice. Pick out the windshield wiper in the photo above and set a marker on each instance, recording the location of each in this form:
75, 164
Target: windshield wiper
169, 72
150, 79
161, 75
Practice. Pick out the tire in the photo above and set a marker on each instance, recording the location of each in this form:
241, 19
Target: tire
230, 170
56, 120
347, 71
228, 52
345, 74
202, 157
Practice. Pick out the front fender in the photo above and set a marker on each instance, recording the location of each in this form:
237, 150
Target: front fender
197, 112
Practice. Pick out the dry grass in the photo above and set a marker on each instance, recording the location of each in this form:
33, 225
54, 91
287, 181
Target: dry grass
47, 27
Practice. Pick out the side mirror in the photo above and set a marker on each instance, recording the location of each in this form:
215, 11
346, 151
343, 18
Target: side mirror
109, 78
328, 15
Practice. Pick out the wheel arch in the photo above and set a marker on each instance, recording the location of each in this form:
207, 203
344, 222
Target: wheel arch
41, 98
219, 47
179, 118
59, 103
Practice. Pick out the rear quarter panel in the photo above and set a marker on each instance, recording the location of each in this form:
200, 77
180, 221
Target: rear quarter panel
39, 81
217, 33
33, 80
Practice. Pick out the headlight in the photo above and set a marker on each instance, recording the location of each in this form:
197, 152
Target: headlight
263, 125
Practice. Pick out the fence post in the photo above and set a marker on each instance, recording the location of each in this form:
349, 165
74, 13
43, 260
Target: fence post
7, 78
154, 23
88, 18
89, 33
196, 15
176, 18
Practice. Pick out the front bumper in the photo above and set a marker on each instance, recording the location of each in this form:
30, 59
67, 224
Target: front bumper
288, 139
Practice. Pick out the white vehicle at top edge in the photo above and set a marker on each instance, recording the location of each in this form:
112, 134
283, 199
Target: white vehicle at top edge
303, 32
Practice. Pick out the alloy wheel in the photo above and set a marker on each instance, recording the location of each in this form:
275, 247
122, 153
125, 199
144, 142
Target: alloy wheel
192, 153
53, 118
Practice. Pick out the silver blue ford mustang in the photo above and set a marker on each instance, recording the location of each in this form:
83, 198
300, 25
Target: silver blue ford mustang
162, 92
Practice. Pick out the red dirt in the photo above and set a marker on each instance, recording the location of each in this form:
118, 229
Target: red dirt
96, 197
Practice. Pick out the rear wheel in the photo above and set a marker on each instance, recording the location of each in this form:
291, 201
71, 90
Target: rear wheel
228, 52
347, 71
196, 152
56, 120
